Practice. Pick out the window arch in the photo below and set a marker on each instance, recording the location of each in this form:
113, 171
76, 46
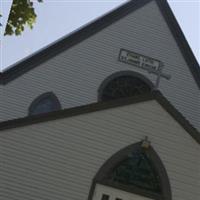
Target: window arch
45, 103
135, 169
124, 84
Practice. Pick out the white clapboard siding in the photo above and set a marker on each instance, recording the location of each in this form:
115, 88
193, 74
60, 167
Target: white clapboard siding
58, 159
76, 74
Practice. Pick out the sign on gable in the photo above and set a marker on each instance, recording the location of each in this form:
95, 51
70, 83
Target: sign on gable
151, 65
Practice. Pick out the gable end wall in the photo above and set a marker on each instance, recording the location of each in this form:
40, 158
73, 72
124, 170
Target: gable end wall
76, 74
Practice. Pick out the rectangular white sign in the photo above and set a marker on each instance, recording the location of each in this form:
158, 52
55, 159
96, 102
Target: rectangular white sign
140, 61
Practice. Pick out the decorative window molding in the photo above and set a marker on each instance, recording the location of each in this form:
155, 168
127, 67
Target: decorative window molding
45, 103
124, 84
159, 192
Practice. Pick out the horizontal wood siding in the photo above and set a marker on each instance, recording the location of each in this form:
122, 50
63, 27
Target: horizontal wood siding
58, 159
76, 74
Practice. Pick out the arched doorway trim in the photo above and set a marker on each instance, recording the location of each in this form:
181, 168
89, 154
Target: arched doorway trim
113, 161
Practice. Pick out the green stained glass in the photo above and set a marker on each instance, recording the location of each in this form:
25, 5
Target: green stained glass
137, 170
124, 86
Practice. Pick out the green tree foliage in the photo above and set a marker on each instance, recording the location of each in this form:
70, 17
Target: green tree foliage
21, 14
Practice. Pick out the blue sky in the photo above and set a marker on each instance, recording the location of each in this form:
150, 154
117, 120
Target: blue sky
58, 18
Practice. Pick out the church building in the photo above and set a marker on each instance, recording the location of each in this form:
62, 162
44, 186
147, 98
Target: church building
109, 112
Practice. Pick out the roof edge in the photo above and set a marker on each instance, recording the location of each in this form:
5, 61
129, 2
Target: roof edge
99, 106
70, 40
81, 34
187, 126
180, 39
71, 112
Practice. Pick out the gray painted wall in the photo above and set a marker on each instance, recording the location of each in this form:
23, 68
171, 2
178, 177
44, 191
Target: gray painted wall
76, 74
57, 160
2, 102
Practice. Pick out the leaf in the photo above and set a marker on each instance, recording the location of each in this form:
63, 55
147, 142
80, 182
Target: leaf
22, 14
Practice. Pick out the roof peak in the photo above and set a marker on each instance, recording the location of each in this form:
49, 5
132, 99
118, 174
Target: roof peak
71, 40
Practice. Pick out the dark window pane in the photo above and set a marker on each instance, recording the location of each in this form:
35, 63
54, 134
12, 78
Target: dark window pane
137, 170
124, 86
44, 106
45, 103
105, 197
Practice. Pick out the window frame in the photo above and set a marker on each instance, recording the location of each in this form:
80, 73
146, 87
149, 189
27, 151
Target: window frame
121, 155
38, 99
119, 74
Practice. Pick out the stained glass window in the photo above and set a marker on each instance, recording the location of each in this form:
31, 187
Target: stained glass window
137, 170
45, 103
124, 86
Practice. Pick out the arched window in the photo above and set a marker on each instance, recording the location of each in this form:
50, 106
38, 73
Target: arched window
45, 103
124, 84
135, 170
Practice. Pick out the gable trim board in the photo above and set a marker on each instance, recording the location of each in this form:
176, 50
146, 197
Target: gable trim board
94, 107
101, 23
